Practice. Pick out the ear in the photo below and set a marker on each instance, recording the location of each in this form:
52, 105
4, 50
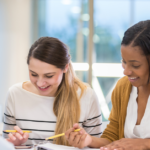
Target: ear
66, 68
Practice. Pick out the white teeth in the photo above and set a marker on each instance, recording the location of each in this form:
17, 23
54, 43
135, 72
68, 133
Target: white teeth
43, 87
133, 78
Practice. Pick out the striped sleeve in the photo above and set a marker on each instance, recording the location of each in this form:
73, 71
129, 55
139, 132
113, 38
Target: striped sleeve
93, 123
9, 118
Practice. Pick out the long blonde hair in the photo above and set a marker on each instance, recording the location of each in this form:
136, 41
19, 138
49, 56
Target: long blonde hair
66, 105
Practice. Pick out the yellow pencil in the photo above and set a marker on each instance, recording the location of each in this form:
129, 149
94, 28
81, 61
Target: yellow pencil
16, 131
62, 134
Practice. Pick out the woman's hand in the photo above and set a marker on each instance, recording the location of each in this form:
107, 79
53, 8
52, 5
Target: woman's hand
19, 137
78, 139
127, 144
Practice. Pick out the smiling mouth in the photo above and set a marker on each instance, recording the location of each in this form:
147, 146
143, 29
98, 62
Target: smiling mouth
44, 88
132, 78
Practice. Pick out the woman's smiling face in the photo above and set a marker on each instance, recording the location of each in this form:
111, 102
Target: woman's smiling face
45, 77
135, 65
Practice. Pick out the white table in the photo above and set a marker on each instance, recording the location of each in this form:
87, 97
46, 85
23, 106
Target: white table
51, 146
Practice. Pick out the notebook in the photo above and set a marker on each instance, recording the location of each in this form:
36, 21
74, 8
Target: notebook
50, 146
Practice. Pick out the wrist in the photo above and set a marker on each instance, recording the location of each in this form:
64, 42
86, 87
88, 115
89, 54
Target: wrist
90, 141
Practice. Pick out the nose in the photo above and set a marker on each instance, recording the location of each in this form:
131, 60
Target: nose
41, 82
127, 71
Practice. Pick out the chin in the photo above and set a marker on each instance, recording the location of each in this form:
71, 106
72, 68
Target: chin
44, 94
136, 85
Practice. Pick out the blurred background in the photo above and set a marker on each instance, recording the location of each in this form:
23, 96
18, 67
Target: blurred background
93, 30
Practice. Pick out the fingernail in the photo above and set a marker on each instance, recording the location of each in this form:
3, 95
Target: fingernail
101, 148
105, 148
14, 138
24, 136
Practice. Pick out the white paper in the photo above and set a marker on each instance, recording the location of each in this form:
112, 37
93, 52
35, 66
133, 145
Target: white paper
26, 149
50, 146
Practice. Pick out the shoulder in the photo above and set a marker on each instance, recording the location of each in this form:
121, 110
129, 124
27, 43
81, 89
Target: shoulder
16, 87
88, 91
89, 96
123, 83
90, 101
13, 92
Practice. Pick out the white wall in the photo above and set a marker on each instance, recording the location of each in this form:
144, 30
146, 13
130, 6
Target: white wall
15, 37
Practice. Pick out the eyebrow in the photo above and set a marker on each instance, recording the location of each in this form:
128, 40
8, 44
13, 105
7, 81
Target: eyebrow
133, 61
45, 73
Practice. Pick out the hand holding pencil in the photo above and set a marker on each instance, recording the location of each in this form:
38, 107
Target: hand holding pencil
78, 139
62, 134
17, 136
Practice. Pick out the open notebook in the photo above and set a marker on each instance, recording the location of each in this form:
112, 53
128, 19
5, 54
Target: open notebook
50, 146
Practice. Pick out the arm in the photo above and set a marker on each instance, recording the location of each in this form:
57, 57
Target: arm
127, 143
147, 143
81, 139
92, 127
10, 124
93, 120
98, 142
111, 133
9, 115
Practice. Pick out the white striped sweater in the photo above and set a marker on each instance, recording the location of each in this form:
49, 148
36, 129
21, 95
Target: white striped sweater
33, 112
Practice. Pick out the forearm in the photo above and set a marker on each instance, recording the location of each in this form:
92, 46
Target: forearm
98, 142
147, 143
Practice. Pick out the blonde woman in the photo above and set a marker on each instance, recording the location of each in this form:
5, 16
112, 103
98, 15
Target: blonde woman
52, 100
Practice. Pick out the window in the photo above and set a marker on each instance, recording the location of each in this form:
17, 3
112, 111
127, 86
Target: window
68, 20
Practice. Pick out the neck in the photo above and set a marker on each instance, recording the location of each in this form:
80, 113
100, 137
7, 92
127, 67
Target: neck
145, 88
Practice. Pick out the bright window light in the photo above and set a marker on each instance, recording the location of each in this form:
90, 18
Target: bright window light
75, 9
96, 38
85, 17
107, 69
101, 69
85, 31
66, 2
101, 98
80, 66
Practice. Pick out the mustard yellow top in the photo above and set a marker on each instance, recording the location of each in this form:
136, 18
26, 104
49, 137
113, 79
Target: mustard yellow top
120, 97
